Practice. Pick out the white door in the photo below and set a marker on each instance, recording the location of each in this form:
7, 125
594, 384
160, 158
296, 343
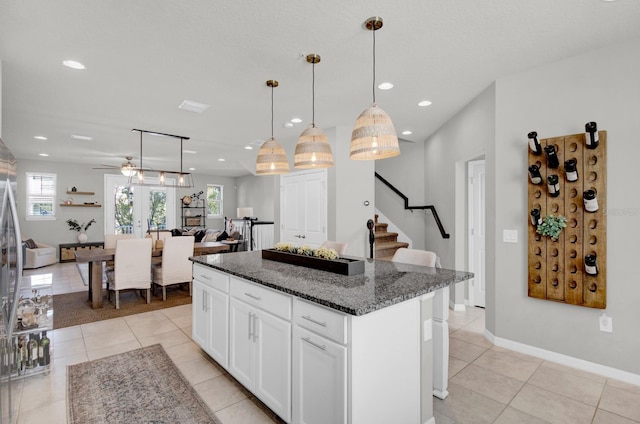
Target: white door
200, 314
242, 324
303, 208
319, 379
477, 231
136, 209
219, 313
273, 367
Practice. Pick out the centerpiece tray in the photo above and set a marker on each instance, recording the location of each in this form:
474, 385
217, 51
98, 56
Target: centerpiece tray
343, 266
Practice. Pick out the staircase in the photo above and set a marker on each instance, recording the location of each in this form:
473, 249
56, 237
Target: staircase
386, 243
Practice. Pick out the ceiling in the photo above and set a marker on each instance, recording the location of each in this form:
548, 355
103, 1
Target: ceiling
145, 57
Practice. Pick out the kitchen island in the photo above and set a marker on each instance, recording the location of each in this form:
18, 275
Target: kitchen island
318, 347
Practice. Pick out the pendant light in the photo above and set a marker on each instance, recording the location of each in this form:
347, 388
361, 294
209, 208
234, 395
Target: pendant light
272, 159
313, 149
374, 136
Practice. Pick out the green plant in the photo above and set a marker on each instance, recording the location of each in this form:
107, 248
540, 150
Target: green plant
73, 225
552, 226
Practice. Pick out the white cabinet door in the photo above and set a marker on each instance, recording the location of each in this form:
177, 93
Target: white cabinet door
273, 363
319, 379
242, 325
200, 332
218, 304
303, 207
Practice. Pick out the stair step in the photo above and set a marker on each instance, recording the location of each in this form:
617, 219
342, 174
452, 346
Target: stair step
388, 248
381, 226
385, 237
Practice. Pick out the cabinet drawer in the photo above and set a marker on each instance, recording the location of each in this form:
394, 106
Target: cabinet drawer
262, 297
211, 277
320, 320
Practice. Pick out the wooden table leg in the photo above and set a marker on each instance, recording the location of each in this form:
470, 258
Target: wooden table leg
441, 343
95, 283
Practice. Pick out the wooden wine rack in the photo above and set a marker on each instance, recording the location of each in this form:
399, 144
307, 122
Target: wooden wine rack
556, 268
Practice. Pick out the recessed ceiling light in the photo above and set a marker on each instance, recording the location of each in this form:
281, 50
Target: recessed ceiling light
407, 132
385, 86
43, 154
191, 152
193, 106
81, 137
39, 137
220, 159
424, 103
73, 64
296, 120
248, 148
192, 169
288, 125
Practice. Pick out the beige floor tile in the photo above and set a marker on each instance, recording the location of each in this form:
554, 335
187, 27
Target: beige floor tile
575, 371
101, 328
512, 364
468, 407
582, 389
59, 366
187, 331
183, 321
68, 348
184, 352
477, 326
621, 402
455, 366
109, 338
491, 384
461, 319
152, 327
513, 416
66, 334
220, 392
442, 419
41, 390
114, 349
168, 339
243, 412
551, 406
199, 369
624, 386
604, 417
177, 311
464, 351
51, 413
471, 337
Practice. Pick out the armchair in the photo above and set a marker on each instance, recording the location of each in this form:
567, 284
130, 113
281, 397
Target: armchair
39, 256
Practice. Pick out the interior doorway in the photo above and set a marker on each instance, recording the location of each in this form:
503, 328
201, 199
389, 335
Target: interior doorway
476, 212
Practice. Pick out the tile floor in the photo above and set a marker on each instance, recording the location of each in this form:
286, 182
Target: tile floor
487, 384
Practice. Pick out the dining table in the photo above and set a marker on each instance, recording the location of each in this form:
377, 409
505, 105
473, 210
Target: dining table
97, 257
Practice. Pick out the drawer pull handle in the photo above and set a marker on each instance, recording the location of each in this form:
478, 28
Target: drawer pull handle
308, 318
206, 277
253, 296
308, 340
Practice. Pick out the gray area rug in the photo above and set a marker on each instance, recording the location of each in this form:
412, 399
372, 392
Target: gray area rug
140, 386
83, 269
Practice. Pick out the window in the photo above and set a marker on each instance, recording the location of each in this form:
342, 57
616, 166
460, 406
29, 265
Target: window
214, 200
41, 196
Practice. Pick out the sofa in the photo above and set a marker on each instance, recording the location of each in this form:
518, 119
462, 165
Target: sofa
40, 256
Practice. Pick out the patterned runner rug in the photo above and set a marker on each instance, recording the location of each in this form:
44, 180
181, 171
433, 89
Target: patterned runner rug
140, 386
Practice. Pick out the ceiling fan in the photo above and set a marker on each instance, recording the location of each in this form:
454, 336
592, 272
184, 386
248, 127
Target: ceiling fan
128, 168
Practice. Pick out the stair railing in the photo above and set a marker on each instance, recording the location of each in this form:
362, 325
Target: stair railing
412, 208
372, 237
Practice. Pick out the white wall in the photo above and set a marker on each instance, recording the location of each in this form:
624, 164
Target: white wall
555, 100
258, 192
406, 173
0, 97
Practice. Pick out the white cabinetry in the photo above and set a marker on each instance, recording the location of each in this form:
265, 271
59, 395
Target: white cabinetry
211, 312
260, 344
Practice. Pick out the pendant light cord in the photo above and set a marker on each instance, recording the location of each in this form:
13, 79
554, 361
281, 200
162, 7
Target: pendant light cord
374, 65
272, 111
313, 94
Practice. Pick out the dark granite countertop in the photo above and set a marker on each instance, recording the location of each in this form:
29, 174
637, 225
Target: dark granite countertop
383, 283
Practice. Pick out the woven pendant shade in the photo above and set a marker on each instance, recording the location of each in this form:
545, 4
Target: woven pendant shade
272, 159
313, 150
374, 136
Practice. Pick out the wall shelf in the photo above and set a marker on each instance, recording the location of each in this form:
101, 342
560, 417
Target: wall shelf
80, 205
87, 193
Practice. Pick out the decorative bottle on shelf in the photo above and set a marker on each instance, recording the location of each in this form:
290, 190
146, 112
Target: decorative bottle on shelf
32, 348
553, 185
591, 264
591, 135
536, 219
534, 144
552, 157
4, 356
24, 353
590, 201
534, 174
571, 170
44, 355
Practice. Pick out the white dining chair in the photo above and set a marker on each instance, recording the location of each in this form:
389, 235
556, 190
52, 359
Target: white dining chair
415, 257
132, 267
111, 239
175, 268
338, 246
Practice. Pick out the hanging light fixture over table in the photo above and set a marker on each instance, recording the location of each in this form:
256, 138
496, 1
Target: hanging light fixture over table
313, 149
374, 136
128, 169
161, 178
272, 159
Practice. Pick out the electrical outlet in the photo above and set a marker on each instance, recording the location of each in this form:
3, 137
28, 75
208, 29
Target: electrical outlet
606, 323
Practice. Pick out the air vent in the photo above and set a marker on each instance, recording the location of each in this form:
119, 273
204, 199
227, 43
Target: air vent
193, 106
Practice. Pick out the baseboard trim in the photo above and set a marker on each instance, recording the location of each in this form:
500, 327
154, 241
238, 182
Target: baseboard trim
457, 307
431, 420
565, 360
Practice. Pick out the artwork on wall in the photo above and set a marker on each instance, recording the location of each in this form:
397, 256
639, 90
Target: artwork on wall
567, 221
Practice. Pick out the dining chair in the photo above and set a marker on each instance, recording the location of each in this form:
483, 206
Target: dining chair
175, 268
111, 239
338, 246
415, 257
132, 264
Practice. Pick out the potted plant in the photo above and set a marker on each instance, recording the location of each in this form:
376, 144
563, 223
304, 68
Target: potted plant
80, 228
552, 226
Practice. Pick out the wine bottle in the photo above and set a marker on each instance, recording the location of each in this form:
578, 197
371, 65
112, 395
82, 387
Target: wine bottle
44, 357
17, 359
32, 348
24, 354
4, 356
